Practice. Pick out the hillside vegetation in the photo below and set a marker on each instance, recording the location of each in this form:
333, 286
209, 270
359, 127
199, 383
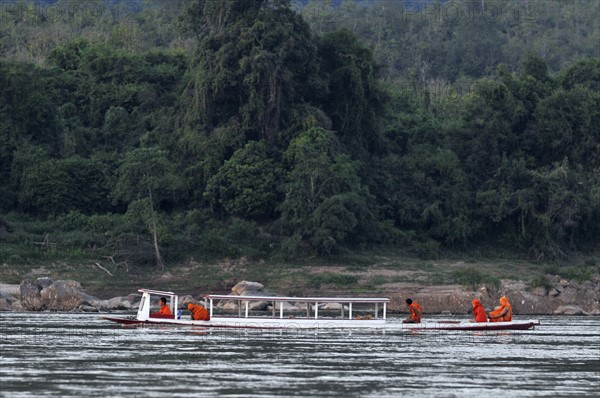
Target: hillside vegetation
153, 132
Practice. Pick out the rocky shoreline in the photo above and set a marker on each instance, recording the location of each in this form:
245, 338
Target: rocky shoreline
45, 294
563, 297
560, 297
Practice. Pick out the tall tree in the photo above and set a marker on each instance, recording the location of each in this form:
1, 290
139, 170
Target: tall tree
146, 178
248, 184
325, 203
354, 99
255, 61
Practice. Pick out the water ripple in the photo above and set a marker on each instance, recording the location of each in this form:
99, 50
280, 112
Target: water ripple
74, 355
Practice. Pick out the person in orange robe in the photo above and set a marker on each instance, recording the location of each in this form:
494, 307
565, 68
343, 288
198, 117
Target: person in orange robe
502, 313
415, 312
478, 311
199, 313
164, 308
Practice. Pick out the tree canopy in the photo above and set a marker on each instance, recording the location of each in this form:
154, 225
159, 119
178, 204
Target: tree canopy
208, 126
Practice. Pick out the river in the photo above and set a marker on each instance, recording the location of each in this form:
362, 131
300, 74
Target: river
81, 355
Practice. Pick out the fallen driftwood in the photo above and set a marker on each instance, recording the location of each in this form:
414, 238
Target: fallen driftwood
102, 268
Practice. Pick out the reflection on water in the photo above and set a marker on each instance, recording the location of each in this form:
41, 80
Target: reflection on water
49, 354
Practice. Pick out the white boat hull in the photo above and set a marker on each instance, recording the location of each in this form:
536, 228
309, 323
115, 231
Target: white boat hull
331, 324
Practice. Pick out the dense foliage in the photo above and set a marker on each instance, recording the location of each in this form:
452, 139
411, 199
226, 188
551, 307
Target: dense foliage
235, 127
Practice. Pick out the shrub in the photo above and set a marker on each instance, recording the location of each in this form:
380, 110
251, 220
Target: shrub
579, 274
552, 269
540, 281
473, 278
329, 278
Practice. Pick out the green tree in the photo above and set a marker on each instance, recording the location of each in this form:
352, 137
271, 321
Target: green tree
28, 116
146, 178
324, 202
487, 131
255, 60
541, 209
567, 125
57, 186
247, 185
585, 72
353, 98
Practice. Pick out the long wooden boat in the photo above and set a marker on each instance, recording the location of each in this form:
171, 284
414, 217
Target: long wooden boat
355, 313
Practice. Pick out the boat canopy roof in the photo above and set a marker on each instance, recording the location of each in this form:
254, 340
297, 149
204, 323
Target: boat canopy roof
300, 299
278, 298
159, 292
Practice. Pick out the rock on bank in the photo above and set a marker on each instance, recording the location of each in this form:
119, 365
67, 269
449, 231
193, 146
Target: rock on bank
45, 294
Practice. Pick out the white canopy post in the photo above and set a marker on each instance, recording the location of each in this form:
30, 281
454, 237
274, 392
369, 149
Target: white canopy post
144, 309
309, 301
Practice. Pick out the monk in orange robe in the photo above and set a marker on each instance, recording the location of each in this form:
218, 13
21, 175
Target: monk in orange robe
199, 313
164, 308
415, 312
502, 313
478, 311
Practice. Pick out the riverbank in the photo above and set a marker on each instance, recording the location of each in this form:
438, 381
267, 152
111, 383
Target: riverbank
440, 286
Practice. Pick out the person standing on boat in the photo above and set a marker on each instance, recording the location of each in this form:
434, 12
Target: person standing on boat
415, 312
199, 313
502, 313
478, 311
164, 308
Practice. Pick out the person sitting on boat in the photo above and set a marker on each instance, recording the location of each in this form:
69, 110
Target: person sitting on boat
164, 308
415, 312
199, 313
478, 311
502, 313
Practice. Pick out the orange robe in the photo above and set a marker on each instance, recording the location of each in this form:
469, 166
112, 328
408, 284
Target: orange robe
415, 312
199, 313
478, 311
502, 313
164, 310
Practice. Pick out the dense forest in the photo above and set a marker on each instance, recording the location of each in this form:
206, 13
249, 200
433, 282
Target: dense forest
153, 131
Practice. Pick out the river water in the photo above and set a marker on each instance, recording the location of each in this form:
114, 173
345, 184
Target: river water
82, 355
